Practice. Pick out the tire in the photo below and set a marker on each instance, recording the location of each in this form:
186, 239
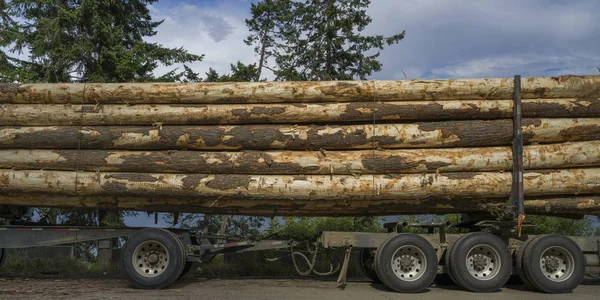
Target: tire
183, 253
407, 263
489, 260
519, 261
152, 258
3, 254
366, 261
186, 269
378, 254
447, 260
554, 264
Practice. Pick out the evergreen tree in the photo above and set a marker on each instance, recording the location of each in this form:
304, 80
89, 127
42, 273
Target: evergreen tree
239, 73
316, 39
83, 40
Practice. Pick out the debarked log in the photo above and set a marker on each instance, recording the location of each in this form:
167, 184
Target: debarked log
551, 156
446, 186
322, 91
475, 133
210, 114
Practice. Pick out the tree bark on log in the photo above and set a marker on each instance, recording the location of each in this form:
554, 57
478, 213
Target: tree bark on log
212, 114
551, 156
444, 187
577, 205
475, 133
277, 92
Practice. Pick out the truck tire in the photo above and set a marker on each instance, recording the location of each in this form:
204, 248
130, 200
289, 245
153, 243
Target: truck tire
554, 264
153, 258
447, 260
367, 266
407, 263
183, 253
481, 262
186, 269
519, 260
3, 254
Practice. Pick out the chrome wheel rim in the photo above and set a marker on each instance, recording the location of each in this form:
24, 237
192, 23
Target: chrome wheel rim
483, 262
557, 264
409, 263
150, 258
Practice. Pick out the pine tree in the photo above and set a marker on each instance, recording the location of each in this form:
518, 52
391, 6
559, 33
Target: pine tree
83, 40
316, 39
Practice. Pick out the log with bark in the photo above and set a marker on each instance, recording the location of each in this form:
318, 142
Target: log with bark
551, 156
299, 195
346, 112
575, 206
277, 92
449, 186
475, 133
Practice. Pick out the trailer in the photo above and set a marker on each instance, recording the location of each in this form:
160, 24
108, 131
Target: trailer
479, 260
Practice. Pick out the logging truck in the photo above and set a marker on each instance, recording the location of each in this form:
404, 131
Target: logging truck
481, 259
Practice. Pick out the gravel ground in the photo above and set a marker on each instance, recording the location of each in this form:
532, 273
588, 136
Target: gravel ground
249, 289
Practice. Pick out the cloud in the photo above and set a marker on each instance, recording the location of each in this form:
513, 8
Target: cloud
459, 38
216, 30
488, 38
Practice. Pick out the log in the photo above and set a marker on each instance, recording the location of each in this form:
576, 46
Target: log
212, 114
442, 187
579, 205
474, 133
277, 92
552, 156
573, 206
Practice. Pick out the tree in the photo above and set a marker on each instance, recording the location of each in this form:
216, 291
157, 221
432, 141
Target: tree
83, 40
558, 225
239, 73
316, 39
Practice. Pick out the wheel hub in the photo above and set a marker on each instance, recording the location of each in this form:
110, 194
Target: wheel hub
557, 264
408, 263
483, 262
150, 259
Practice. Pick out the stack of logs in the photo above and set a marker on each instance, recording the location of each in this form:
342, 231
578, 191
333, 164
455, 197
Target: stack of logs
300, 148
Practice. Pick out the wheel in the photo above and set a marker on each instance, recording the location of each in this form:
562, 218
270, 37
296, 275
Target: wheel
153, 258
183, 254
480, 262
554, 264
519, 260
407, 263
186, 269
3, 255
447, 260
366, 261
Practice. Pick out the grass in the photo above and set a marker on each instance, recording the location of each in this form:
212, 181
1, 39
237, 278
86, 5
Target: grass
62, 265
252, 264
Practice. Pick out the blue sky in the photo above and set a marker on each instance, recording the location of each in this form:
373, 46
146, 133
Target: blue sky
452, 38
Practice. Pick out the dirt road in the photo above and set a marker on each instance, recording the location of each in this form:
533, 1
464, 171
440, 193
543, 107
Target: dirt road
251, 289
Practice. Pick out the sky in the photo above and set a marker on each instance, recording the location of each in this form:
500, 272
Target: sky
444, 39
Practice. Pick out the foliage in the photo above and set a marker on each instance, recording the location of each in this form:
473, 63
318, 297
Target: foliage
83, 40
558, 225
239, 73
244, 226
316, 39
307, 229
